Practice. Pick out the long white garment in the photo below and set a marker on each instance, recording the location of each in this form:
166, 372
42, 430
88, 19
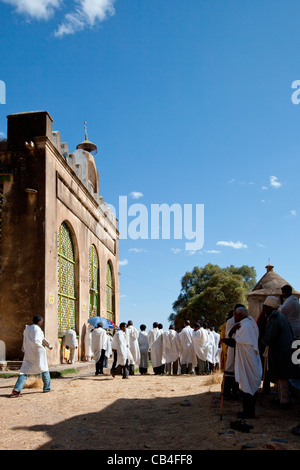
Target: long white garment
70, 339
248, 367
108, 349
35, 357
187, 353
210, 351
133, 336
229, 366
171, 346
291, 309
217, 350
88, 342
120, 344
200, 340
144, 348
98, 342
156, 346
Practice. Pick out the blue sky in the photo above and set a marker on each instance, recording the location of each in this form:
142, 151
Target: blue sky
189, 102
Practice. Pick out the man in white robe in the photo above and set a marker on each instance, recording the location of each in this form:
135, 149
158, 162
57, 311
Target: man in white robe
120, 346
144, 350
88, 342
171, 350
188, 358
200, 340
108, 349
35, 356
231, 386
156, 347
248, 367
133, 336
71, 343
217, 348
98, 347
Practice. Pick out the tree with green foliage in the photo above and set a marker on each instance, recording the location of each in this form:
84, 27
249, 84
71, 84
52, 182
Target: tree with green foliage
208, 293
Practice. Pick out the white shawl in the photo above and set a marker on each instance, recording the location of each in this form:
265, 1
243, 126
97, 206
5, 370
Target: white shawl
248, 367
200, 340
35, 357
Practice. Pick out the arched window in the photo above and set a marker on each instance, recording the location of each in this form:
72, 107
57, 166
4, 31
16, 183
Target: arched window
94, 281
109, 294
66, 280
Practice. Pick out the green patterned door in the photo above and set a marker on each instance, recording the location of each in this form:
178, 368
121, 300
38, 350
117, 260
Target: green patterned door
93, 281
66, 280
109, 294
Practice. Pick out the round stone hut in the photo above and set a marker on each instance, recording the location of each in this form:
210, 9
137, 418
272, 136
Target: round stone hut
270, 284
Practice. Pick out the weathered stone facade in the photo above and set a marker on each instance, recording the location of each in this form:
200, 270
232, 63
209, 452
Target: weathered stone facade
59, 240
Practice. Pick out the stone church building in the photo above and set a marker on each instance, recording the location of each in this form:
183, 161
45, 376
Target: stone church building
58, 238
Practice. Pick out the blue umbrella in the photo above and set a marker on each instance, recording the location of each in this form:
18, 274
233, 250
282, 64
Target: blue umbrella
95, 320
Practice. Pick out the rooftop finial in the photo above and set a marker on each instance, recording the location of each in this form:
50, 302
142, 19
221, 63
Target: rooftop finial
85, 131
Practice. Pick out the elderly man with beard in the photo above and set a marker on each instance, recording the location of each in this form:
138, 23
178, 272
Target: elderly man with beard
248, 368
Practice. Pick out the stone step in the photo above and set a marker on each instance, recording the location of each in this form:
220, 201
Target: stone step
14, 365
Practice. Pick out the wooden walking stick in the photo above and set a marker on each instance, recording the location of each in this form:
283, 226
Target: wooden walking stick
222, 396
265, 355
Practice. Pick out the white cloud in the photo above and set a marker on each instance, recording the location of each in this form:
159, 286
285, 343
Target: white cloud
264, 188
136, 195
213, 251
138, 250
231, 181
176, 250
236, 245
293, 212
87, 14
260, 245
123, 262
35, 9
274, 182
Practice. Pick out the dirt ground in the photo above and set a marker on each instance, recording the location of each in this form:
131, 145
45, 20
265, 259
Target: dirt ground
84, 412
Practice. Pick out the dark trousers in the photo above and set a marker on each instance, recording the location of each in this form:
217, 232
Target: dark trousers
143, 370
131, 369
231, 387
249, 404
100, 363
172, 368
157, 370
124, 370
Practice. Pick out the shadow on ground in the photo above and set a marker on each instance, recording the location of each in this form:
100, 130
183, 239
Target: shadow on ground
176, 423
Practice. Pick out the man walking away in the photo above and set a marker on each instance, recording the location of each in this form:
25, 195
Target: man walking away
120, 345
144, 350
71, 343
171, 347
133, 336
98, 347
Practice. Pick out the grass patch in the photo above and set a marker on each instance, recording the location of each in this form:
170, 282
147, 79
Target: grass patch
63, 373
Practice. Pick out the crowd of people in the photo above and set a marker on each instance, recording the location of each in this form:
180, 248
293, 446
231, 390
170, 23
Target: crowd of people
194, 349
247, 351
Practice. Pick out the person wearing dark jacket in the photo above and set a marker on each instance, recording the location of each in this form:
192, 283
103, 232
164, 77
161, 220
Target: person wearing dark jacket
278, 337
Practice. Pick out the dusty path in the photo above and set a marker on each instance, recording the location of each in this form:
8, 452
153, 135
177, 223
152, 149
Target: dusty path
141, 413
